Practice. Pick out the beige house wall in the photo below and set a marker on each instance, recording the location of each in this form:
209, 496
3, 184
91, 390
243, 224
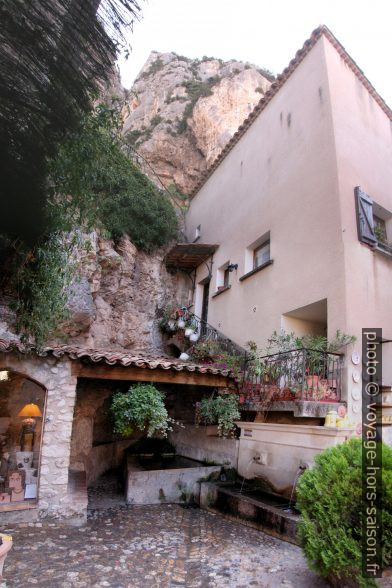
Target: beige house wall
281, 178
292, 175
363, 138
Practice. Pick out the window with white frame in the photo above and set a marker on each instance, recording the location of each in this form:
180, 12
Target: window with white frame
223, 276
261, 254
258, 253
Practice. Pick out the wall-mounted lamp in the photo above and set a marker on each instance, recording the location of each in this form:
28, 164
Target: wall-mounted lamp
232, 266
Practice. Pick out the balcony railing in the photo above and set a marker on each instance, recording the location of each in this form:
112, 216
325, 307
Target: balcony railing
209, 333
295, 375
300, 374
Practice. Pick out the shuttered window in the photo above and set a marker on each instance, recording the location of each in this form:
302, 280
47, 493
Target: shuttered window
365, 222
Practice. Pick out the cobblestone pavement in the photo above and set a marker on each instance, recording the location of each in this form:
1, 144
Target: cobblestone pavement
153, 546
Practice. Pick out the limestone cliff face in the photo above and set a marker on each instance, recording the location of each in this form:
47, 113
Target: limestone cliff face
181, 112
115, 303
178, 116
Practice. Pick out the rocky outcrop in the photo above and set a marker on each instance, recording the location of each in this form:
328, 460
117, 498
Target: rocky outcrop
178, 116
115, 303
181, 112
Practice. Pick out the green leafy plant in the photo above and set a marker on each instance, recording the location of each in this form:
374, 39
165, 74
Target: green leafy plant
205, 351
141, 407
330, 501
282, 342
379, 231
221, 410
107, 190
93, 185
42, 280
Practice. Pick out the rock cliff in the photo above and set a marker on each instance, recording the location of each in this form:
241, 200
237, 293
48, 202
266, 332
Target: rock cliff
181, 112
178, 116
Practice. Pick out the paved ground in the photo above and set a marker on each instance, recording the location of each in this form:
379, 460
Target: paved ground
151, 547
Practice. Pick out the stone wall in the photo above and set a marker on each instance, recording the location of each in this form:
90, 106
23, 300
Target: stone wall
56, 377
202, 443
94, 447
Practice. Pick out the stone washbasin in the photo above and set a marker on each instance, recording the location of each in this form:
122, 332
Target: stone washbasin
164, 479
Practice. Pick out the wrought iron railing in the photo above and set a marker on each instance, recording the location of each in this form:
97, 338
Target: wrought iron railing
208, 333
299, 374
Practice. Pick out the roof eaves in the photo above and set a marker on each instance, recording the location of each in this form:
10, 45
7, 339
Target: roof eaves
119, 358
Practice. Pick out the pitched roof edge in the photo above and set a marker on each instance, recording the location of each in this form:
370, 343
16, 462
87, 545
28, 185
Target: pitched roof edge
112, 357
275, 87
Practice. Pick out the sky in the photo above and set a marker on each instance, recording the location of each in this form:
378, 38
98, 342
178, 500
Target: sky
265, 33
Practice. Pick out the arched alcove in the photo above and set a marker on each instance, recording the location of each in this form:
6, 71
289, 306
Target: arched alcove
22, 409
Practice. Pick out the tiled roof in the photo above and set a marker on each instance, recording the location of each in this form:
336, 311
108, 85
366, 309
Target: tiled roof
275, 87
119, 358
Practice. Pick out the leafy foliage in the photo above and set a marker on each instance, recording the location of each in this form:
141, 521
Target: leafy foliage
93, 185
329, 499
55, 56
42, 281
108, 191
221, 410
141, 407
282, 341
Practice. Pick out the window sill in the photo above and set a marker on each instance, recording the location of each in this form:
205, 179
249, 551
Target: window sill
257, 269
9, 506
221, 291
384, 249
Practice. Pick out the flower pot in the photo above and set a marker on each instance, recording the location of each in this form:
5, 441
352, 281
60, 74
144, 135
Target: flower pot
194, 337
188, 332
184, 356
312, 381
181, 324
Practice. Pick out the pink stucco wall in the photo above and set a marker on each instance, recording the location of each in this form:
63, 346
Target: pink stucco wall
293, 174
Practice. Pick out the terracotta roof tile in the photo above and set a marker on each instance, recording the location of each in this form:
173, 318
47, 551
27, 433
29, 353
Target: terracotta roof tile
120, 358
280, 80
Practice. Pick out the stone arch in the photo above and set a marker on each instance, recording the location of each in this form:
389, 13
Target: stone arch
20, 438
55, 376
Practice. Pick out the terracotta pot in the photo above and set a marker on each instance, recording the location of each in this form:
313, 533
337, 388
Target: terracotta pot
312, 381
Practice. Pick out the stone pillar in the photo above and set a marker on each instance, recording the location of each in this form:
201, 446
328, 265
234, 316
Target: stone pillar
54, 375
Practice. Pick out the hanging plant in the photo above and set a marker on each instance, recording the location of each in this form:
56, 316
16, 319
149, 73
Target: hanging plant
221, 410
142, 408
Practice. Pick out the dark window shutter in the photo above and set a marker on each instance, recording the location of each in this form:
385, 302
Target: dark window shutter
365, 223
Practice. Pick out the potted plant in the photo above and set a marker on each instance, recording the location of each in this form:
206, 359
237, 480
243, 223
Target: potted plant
205, 351
222, 410
143, 408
